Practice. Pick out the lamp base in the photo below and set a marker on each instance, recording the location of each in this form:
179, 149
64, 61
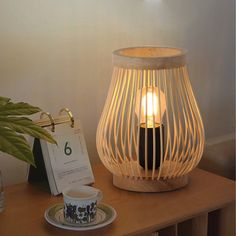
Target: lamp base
148, 185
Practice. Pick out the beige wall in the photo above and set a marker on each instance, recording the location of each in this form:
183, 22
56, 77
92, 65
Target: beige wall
56, 53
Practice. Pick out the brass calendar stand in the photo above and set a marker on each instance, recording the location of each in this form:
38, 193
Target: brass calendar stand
50, 121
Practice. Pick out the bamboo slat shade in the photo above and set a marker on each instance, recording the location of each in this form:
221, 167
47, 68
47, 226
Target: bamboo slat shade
150, 100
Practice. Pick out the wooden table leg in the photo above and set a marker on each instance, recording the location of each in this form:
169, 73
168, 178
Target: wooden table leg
169, 231
199, 225
222, 222
196, 226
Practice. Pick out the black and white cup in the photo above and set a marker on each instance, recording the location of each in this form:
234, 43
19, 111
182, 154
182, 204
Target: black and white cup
80, 204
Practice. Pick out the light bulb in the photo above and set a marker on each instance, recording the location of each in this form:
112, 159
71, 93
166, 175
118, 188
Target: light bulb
153, 106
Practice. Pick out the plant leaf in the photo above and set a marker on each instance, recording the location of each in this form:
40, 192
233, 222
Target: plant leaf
15, 145
20, 108
26, 126
4, 100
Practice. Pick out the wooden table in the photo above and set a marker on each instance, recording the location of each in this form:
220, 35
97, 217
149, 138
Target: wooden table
200, 207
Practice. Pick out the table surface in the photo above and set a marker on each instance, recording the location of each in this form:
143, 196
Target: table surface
137, 213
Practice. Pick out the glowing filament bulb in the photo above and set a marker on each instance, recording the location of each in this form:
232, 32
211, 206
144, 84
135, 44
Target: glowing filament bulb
153, 106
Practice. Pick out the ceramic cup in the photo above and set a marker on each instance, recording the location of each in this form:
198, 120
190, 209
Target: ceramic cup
80, 204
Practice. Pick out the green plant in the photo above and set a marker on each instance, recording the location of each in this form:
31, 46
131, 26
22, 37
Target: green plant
13, 124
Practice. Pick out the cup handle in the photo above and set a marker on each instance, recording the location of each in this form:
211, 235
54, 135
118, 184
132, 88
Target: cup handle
100, 196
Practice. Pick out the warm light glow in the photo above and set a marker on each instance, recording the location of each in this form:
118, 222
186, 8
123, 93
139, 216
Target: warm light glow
151, 104
152, 109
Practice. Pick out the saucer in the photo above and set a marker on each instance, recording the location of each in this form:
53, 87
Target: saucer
105, 216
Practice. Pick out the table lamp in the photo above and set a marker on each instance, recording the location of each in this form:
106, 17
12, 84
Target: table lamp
150, 134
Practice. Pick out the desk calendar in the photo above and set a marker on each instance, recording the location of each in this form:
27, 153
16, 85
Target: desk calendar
65, 163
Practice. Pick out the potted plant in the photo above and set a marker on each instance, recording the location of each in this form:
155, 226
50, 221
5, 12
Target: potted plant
13, 124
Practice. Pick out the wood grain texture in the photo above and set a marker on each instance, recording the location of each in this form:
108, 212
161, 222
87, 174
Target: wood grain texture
149, 57
142, 185
137, 213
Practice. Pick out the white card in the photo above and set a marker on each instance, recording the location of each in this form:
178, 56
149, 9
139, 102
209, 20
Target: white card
69, 158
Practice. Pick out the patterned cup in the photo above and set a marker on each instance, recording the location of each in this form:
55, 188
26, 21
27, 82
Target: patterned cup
80, 204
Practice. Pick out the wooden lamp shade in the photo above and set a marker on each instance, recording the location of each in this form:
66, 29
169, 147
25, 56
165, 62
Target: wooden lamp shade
150, 135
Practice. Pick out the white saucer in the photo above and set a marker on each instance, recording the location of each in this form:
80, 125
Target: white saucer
105, 215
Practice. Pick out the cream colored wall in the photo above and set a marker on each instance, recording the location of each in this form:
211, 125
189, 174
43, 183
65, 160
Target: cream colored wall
56, 53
